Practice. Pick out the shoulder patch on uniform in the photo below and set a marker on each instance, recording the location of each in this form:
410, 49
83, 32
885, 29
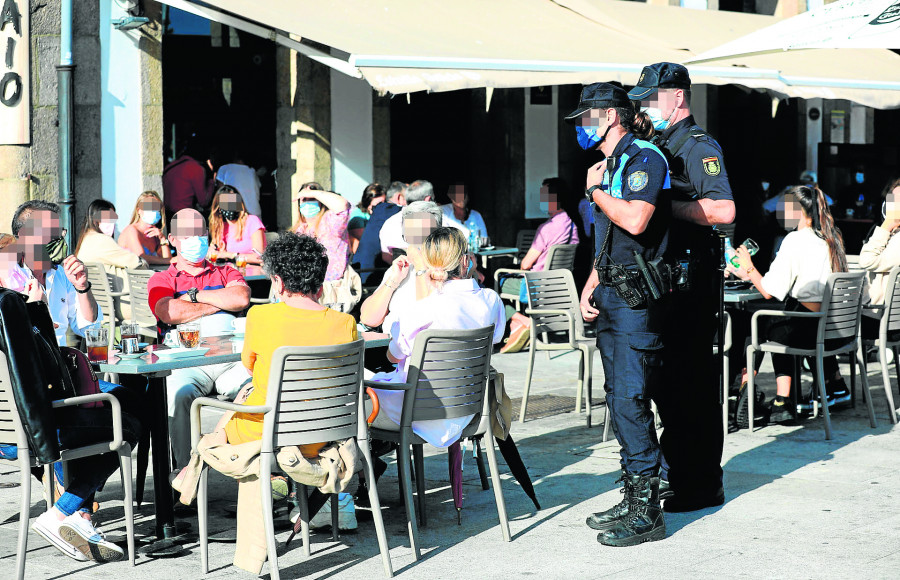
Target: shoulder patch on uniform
638, 180
711, 165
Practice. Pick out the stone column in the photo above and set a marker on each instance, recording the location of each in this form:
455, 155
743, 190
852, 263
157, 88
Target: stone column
303, 133
152, 136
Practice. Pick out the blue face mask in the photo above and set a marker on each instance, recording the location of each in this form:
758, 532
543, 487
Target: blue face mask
310, 209
587, 137
194, 249
656, 118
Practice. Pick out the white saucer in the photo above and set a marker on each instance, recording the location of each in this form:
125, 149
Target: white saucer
124, 356
181, 352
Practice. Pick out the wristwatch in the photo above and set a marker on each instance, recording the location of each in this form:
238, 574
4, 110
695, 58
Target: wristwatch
421, 272
589, 192
192, 292
86, 288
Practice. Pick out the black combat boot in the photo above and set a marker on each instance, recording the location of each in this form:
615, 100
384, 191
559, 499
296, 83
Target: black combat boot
606, 520
644, 522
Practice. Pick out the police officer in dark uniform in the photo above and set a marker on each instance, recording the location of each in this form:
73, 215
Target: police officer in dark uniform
689, 404
631, 217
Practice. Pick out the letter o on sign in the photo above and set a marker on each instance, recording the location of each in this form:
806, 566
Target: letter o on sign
16, 80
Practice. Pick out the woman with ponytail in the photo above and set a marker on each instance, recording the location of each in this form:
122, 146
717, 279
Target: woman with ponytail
448, 299
808, 255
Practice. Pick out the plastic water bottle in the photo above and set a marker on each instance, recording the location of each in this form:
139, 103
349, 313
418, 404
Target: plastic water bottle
474, 236
731, 254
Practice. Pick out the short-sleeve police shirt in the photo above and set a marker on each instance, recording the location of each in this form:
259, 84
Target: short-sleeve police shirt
636, 170
698, 172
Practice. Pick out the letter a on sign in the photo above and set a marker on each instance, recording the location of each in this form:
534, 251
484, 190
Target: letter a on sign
15, 72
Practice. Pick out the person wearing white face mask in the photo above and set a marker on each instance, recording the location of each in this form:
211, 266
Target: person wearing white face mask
193, 289
701, 201
145, 234
96, 244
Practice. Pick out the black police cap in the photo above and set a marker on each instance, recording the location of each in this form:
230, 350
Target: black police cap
662, 75
599, 96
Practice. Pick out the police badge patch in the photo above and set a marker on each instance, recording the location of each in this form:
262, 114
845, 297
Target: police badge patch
711, 165
638, 180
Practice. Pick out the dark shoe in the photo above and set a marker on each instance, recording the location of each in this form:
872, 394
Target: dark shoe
780, 411
608, 519
665, 492
837, 392
644, 522
691, 503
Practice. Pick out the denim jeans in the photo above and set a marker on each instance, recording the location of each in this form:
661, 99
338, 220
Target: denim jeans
630, 344
78, 427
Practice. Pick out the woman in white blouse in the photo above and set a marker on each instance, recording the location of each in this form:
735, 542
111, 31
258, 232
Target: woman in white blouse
808, 255
448, 299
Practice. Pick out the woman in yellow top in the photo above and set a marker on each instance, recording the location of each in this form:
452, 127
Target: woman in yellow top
296, 264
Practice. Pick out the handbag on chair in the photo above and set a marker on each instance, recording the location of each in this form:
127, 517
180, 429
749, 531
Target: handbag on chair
342, 295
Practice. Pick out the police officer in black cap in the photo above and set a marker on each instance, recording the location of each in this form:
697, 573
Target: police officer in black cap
631, 217
689, 404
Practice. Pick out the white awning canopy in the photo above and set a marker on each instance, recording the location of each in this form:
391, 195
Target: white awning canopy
402, 46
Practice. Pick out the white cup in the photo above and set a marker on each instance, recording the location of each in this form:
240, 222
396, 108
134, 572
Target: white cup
171, 339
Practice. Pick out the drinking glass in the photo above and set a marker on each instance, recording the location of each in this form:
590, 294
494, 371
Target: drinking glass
129, 330
240, 261
189, 334
97, 339
485, 242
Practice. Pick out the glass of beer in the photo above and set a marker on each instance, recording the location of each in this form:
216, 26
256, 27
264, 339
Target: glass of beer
189, 334
97, 339
129, 330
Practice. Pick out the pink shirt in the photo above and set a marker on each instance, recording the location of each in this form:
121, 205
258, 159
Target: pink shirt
245, 244
332, 234
557, 230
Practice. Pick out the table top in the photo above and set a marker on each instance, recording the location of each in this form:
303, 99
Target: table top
497, 251
222, 349
741, 295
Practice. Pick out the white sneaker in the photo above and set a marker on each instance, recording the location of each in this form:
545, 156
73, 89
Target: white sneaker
81, 533
346, 514
48, 526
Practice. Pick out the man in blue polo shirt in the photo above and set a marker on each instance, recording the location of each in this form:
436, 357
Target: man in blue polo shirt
368, 254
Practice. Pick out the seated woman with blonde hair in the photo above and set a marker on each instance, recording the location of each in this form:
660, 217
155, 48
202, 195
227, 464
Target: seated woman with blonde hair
448, 299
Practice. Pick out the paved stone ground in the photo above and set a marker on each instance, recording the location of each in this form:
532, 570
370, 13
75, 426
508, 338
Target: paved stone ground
797, 507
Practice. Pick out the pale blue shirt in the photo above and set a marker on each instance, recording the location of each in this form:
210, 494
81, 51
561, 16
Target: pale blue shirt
62, 300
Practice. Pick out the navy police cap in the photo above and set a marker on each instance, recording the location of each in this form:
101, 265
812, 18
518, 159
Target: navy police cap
599, 96
662, 75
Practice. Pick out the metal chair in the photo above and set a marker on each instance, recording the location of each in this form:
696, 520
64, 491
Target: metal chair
838, 320
140, 305
890, 326
101, 288
524, 239
313, 395
447, 379
554, 310
559, 257
726, 349
12, 433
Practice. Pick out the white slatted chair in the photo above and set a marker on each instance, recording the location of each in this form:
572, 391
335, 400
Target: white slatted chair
838, 320
12, 433
889, 327
554, 309
314, 395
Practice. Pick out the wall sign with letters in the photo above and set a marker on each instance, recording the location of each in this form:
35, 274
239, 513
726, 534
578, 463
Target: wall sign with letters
15, 72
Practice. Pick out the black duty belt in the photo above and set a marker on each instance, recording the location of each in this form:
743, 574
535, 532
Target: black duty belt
606, 274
